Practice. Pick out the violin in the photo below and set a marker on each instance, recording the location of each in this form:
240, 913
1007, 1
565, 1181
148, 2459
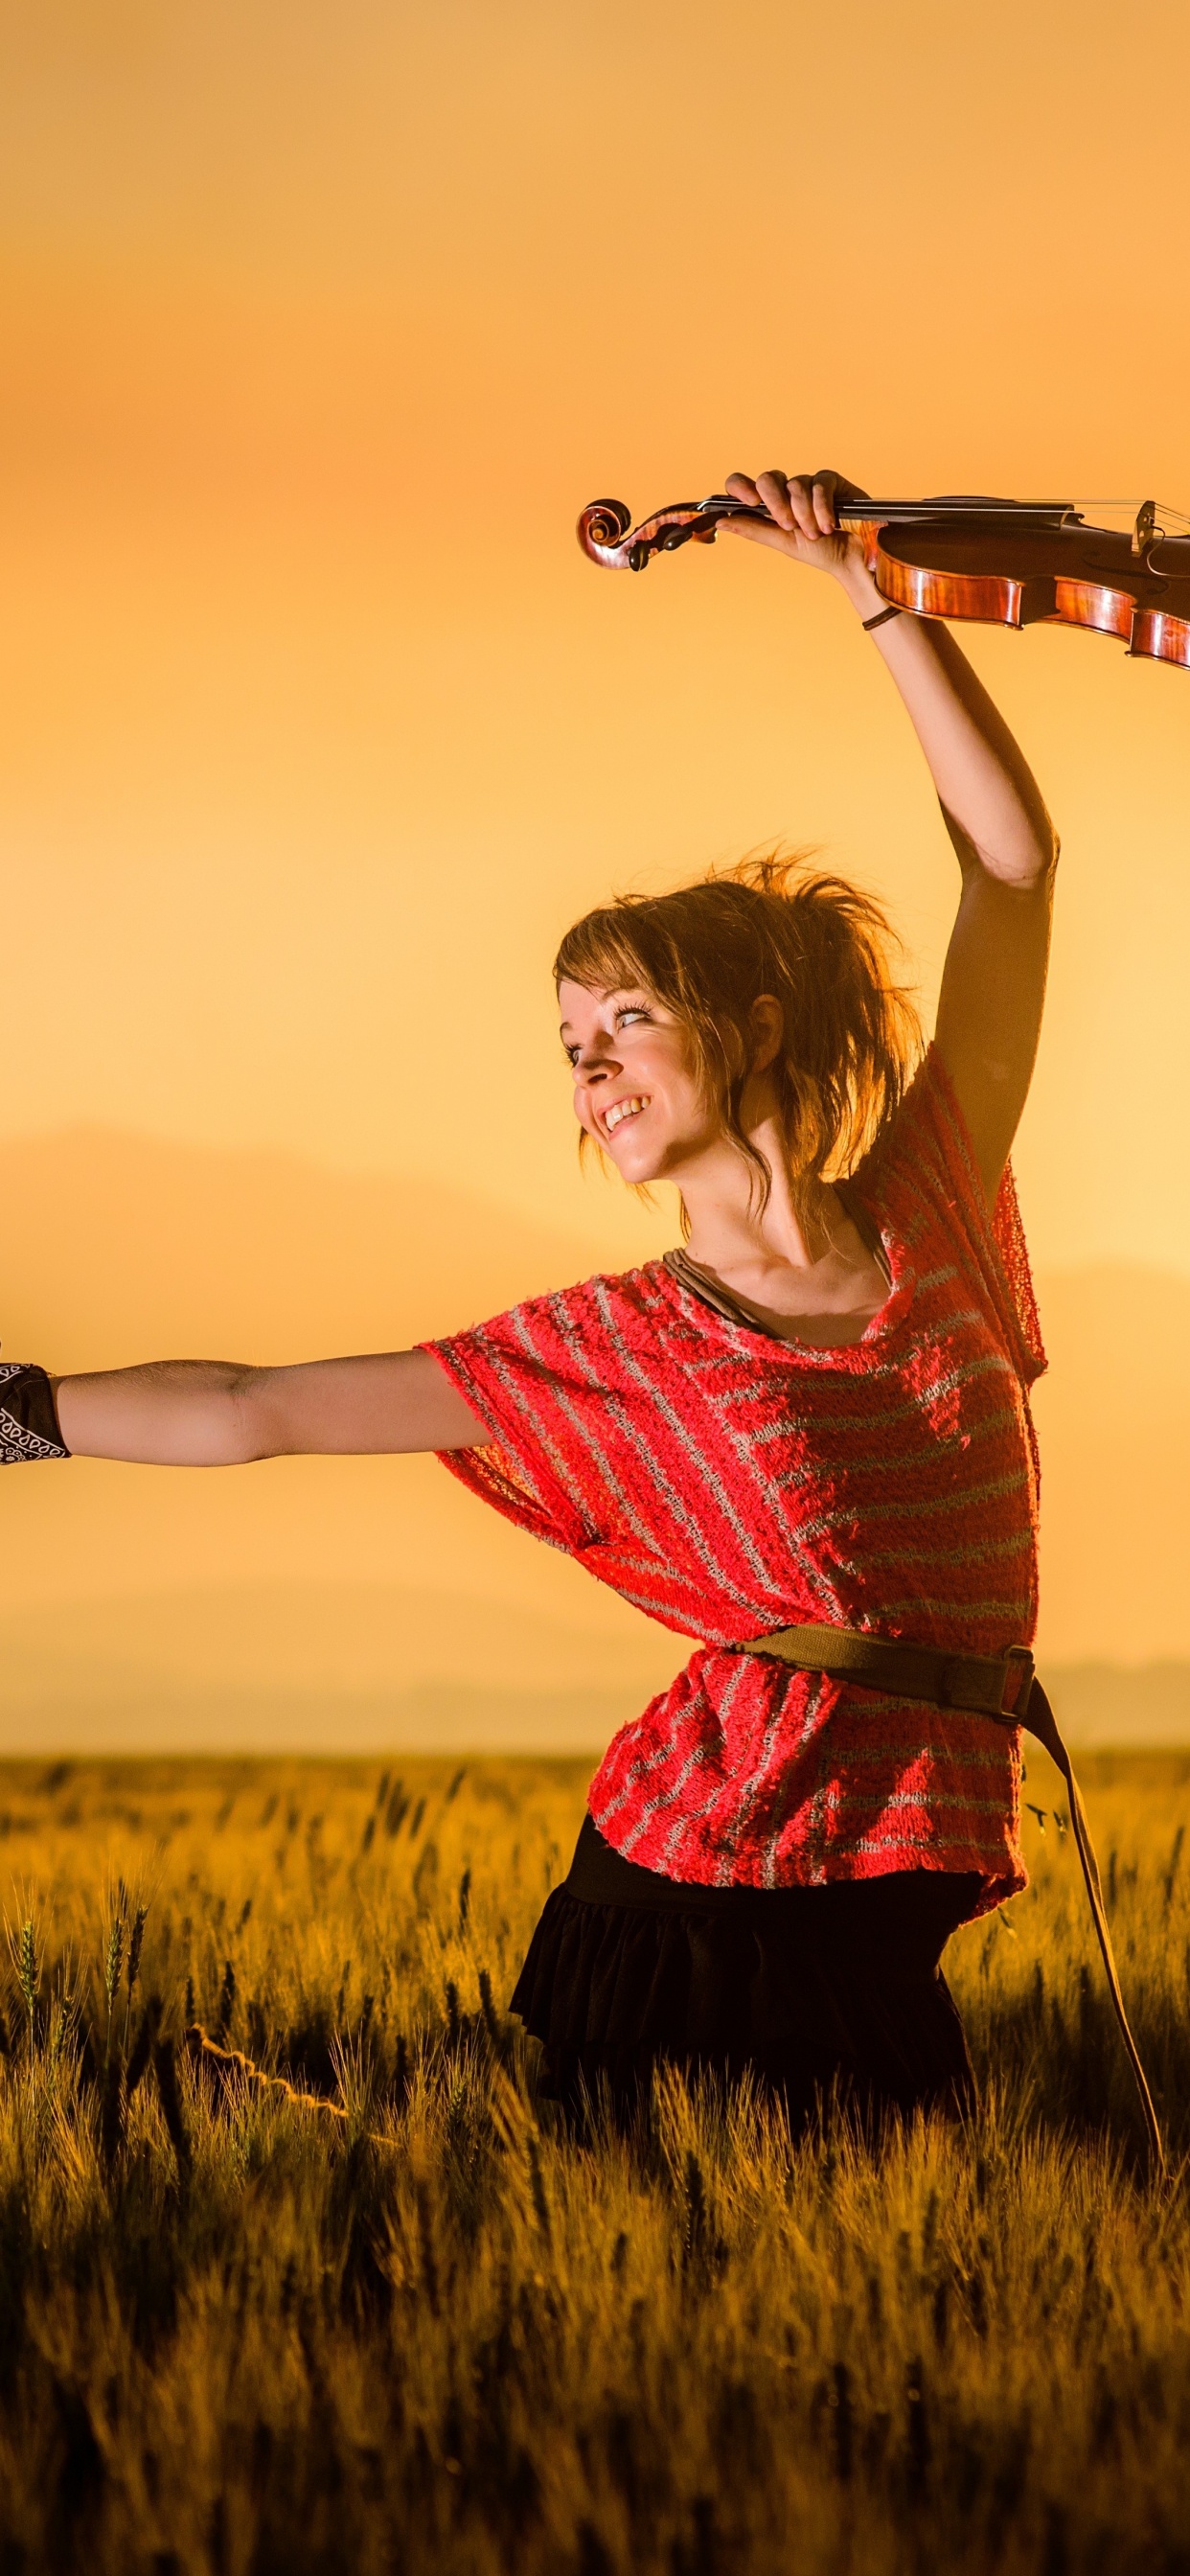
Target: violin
1001, 563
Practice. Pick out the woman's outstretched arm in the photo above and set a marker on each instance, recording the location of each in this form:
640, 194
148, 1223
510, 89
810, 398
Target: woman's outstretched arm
993, 987
214, 1413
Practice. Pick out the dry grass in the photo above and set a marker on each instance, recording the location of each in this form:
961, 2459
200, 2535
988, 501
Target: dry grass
238, 2336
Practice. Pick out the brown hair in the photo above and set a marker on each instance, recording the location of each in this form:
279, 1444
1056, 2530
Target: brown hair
822, 948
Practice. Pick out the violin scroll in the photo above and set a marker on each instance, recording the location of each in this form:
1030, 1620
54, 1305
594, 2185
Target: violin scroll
600, 528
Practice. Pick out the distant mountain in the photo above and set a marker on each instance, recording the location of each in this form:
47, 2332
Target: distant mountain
352, 1638
1113, 1416
124, 1247
317, 1667
120, 1247
1108, 1704
437, 1717
346, 1668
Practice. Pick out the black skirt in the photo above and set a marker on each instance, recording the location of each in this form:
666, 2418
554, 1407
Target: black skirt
818, 1992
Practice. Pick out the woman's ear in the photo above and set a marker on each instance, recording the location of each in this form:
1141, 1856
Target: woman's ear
767, 1021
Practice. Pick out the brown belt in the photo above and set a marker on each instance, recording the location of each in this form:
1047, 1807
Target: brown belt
1004, 1687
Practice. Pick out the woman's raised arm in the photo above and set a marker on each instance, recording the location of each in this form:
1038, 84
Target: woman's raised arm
215, 1413
993, 988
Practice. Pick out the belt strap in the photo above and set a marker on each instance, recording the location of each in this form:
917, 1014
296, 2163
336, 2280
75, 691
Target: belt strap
984, 1685
1003, 1687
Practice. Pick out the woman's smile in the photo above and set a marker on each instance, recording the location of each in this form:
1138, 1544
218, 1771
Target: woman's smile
619, 1110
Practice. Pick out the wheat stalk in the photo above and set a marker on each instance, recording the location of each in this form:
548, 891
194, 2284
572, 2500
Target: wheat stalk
28, 1969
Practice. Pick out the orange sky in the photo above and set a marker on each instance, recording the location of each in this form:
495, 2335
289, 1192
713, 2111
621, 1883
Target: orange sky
320, 326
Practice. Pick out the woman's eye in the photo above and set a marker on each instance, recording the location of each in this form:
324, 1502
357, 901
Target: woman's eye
633, 1011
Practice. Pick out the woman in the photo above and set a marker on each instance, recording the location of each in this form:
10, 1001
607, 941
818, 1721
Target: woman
816, 1412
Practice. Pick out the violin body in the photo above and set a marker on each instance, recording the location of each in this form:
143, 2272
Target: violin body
1000, 563
1067, 576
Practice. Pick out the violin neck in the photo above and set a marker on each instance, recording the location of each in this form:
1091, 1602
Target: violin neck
955, 505
935, 506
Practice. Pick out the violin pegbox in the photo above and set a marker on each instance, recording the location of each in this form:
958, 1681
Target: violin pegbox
607, 536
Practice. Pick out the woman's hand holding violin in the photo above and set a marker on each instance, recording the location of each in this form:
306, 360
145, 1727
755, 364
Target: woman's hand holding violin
802, 520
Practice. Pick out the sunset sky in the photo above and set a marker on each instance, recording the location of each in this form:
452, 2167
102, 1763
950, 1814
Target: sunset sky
322, 323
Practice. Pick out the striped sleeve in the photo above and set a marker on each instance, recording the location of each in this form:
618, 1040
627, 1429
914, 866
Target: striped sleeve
925, 1156
534, 1376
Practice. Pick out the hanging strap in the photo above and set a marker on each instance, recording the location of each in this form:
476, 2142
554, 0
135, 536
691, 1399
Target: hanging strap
1004, 1687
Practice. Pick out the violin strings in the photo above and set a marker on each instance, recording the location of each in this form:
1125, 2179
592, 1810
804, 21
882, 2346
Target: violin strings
976, 505
947, 505
1164, 509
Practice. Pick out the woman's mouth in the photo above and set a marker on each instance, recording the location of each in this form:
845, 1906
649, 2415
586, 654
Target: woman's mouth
622, 1109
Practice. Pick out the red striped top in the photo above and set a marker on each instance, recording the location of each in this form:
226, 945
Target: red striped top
730, 1482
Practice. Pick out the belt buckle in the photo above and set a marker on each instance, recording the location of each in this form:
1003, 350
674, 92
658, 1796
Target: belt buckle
1017, 1684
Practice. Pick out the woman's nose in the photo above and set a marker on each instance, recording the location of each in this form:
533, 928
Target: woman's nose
593, 1063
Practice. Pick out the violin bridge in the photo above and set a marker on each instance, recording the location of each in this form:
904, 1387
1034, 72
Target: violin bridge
1146, 527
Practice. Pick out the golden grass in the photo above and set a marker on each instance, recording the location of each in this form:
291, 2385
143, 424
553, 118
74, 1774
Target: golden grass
237, 2336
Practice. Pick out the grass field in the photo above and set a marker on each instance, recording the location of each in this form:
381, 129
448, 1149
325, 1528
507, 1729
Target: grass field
239, 2334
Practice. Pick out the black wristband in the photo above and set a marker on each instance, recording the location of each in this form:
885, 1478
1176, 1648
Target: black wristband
881, 618
29, 1426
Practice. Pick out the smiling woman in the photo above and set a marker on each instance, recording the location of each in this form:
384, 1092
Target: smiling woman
767, 976
814, 1414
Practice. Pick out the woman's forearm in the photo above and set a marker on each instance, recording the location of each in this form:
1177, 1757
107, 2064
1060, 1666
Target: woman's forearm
984, 782
220, 1413
985, 785
174, 1413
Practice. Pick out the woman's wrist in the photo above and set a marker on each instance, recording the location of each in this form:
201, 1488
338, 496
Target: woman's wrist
860, 587
29, 1425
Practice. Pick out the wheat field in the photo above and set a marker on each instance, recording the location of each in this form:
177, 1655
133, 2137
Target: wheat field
424, 2330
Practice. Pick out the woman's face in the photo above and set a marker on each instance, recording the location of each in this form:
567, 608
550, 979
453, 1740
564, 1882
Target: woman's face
635, 1090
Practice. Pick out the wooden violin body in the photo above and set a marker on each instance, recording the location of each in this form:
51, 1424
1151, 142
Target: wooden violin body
1001, 563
